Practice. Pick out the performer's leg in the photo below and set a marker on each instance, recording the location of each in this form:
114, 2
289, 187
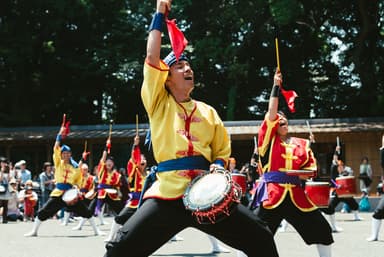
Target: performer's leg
115, 205
333, 202
49, 209
312, 226
154, 223
377, 216
80, 224
66, 217
352, 203
81, 209
240, 223
119, 221
272, 217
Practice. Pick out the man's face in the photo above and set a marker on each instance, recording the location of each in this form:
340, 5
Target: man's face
143, 162
66, 156
84, 169
181, 77
283, 126
109, 164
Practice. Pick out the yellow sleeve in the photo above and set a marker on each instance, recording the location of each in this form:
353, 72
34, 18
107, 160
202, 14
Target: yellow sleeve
153, 87
56, 156
78, 179
221, 144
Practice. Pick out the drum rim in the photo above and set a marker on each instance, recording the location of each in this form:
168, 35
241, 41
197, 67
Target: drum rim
317, 183
193, 207
345, 177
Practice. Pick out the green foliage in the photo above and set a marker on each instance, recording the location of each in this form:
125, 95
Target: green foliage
85, 58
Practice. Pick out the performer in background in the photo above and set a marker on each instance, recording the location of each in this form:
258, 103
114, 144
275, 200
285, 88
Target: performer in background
280, 194
88, 192
68, 176
378, 214
136, 171
339, 169
190, 137
110, 183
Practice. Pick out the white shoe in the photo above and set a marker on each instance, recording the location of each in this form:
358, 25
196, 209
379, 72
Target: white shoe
356, 216
332, 223
65, 220
36, 226
97, 231
80, 225
112, 234
376, 223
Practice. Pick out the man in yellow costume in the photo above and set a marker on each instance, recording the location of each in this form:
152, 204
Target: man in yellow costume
188, 138
67, 176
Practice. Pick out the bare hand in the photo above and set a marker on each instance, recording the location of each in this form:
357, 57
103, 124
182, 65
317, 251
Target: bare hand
163, 6
278, 78
136, 140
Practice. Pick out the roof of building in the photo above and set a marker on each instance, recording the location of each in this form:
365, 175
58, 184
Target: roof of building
233, 127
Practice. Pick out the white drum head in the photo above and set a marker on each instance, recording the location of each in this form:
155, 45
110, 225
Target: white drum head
70, 195
208, 189
111, 190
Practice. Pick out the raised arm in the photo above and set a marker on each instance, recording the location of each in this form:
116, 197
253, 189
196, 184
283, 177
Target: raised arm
58, 137
274, 98
155, 30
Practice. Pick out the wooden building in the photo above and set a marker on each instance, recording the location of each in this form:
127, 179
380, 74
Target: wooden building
359, 137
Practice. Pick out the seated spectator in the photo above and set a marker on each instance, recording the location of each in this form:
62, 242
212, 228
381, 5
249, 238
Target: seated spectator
14, 213
29, 198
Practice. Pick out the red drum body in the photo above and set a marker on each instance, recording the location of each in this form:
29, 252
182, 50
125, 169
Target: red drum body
346, 186
241, 180
212, 197
71, 196
318, 193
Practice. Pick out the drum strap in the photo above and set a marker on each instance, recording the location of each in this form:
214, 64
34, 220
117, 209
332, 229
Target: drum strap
197, 162
63, 186
261, 193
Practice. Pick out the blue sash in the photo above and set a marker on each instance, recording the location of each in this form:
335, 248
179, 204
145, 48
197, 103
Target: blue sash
261, 193
103, 186
63, 186
197, 162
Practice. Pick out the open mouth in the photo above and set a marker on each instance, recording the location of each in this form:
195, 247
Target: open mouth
188, 78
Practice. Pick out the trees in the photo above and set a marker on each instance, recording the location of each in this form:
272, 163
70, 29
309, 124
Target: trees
85, 58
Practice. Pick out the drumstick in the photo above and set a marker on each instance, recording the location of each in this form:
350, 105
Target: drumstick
338, 144
64, 120
309, 127
137, 124
85, 146
110, 129
277, 54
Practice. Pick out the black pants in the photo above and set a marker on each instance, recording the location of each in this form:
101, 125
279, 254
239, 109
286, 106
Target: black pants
124, 215
312, 226
115, 205
335, 200
54, 204
379, 211
157, 221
